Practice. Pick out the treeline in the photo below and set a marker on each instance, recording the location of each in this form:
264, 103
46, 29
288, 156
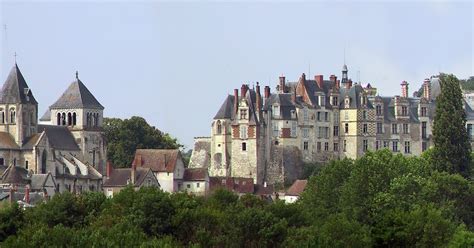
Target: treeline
379, 200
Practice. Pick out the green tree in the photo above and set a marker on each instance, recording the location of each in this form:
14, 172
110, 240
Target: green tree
125, 136
11, 220
451, 142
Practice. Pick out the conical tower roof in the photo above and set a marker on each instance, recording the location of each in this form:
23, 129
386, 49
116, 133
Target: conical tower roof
77, 96
15, 89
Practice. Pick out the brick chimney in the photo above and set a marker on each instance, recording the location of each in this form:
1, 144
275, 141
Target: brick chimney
282, 85
427, 89
338, 84
109, 169
243, 90
134, 169
236, 100
319, 80
404, 85
259, 98
267, 92
27, 194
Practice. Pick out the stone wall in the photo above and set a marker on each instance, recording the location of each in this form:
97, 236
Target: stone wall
284, 165
201, 155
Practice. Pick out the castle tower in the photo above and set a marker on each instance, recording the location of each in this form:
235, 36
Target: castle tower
18, 108
345, 79
80, 111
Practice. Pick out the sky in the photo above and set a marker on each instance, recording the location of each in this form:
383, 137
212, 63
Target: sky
174, 63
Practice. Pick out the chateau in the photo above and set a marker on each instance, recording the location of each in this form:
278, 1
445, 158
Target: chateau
268, 136
67, 143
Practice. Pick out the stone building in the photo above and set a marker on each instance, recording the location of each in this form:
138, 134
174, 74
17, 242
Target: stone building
69, 142
268, 137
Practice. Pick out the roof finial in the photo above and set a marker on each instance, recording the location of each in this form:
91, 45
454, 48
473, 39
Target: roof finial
77, 75
15, 57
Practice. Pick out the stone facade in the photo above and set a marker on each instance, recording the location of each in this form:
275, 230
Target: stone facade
317, 120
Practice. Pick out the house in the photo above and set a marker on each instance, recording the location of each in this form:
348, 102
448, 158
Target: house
294, 192
166, 164
238, 185
117, 179
196, 181
264, 191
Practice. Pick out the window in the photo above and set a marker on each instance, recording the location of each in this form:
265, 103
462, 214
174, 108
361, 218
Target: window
385, 144
275, 129
243, 114
364, 115
305, 114
344, 146
379, 127
405, 128
2, 161
404, 110
305, 145
69, 119
12, 116
423, 130
326, 116
378, 110
346, 128
346, 115
26, 164
244, 146
336, 147
323, 132
394, 129
243, 132
365, 145
377, 145
318, 116
424, 146
197, 185
395, 146
336, 131
318, 146
219, 127
74, 119
469, 130
364, 128
188, 186
305, 132
334, 101
407, 147
2, 116
293, 128
423, 111
63, 119
223, 181
322, 101
326, 146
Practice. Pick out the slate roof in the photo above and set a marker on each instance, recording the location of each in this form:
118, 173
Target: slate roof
297, 188
238, 185
15, 175
7, 142
158, 160
120, 177
226, 109
195, 174
46, 116
31, 141
13, 90
59, 137
77, 96
354, 94
38, 181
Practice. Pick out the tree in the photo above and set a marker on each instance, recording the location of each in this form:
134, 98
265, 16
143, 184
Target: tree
125, 136
451, 142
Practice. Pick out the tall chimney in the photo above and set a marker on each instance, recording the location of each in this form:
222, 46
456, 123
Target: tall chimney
236, 100
404, 85
338, 84
27, 194
134, 168
319, 80
259, 100
243, 90
427, 89
282, 84
109, 169
267, 92
333, 78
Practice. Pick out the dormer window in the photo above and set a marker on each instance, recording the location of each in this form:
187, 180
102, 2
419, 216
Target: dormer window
276, 110
334, 101
243, 114
322, 100
404, 110
347, 102
378, 110
305, 114
423, 111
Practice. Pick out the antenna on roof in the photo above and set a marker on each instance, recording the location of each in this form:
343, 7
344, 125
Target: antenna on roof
14, 55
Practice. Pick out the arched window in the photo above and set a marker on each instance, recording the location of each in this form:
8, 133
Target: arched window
59, 119
74, 119
69, 119
88, 119
63, 119
43, 162
12, 116
96, 120
2, 116
219, 127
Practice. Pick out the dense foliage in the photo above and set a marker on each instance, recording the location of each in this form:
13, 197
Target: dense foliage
452, 147
125, 136
380, 200
467, 84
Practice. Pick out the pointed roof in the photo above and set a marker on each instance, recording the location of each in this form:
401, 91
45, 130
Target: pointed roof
15, 89
77, 96
225, 112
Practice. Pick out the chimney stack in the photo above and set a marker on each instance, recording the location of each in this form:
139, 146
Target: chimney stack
109, 169
259, 98
338, 84
404, 85
134, 168
319, 80
236, 100
282, 84
243, 90
267, 92
333, 78
427, 89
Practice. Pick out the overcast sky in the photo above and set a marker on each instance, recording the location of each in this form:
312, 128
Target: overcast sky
174, 63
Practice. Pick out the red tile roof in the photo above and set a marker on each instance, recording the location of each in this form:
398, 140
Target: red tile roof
236, 184
297, 188
195, 174
158, 160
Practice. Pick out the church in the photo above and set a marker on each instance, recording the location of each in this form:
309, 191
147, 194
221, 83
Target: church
67, 141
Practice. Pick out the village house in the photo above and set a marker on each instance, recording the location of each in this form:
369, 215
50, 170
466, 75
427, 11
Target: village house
119, 178
196, 181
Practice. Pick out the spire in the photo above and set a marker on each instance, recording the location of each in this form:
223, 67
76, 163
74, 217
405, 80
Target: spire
77, 75
15, 89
